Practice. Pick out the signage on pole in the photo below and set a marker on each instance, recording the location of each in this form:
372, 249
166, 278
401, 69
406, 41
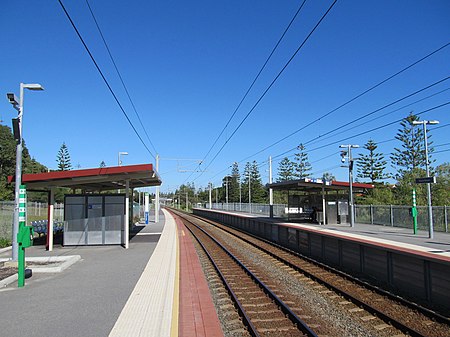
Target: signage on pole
426, 180
146, 207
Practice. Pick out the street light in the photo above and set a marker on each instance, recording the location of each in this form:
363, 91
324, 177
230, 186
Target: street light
249, 192
17, 127
119, 162
425, 140
348, 154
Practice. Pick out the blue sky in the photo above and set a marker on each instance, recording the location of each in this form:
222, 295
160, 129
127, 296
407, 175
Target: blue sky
187, 65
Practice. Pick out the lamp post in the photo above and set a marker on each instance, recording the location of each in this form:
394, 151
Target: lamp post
425, 140
249, 193
238, 178
17, 127
119, 162
348, 154
226, 191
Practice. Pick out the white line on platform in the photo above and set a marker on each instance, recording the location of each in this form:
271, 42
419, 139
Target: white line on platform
148, 234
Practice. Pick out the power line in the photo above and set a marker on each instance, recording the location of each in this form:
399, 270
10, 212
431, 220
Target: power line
352, 99
319, 138
256, 78
275, 158
344, 129
253, 83
103, 77
273, 82
120, 76
379, 127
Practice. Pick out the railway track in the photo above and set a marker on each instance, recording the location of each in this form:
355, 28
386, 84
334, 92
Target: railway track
262, 312
374, 312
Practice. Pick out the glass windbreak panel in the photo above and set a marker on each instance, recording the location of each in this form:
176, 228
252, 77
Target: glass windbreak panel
74, 212
114, 199
94, 224
114, 223
95, 200
77, 225
114, 209
72, 200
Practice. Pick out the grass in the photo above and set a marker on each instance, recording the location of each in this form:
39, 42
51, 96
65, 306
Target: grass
4, 242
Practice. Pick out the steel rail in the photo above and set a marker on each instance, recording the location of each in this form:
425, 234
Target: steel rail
284, 307
366, 306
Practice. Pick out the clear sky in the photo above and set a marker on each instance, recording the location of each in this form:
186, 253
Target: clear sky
187, 65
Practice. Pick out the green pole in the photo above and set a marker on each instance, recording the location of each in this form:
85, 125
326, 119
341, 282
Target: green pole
414, 211
22, 223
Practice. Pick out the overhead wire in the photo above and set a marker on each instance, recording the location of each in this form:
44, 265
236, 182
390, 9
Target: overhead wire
360, 133
320, 137
272, 83
279, 156
256, 78
345, 129
253, 82
352, 99
104, 79
119, 74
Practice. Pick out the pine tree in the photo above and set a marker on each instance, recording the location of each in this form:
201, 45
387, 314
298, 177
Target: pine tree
328, 176
63, 158
411, 155
245, 181
372, 165
301, 165
233, 187
285, 170
259, 193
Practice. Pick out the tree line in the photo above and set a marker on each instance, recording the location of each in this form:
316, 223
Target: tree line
408, 161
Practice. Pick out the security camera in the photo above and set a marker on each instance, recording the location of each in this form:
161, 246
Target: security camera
12, 98
343, 159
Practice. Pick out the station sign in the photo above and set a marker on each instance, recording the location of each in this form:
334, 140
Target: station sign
426, 180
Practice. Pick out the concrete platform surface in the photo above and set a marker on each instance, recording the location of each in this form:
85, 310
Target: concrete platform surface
84, 300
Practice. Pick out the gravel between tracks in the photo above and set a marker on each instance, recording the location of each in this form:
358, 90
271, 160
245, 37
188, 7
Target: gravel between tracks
318, 305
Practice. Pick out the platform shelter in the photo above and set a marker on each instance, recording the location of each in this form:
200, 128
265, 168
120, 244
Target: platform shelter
92, 217
318, 200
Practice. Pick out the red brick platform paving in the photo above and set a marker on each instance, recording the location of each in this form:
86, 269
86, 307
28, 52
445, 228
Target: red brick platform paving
197, 315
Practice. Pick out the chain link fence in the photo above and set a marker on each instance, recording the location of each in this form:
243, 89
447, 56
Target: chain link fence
35, 211
385, 215
400, 216
261, 209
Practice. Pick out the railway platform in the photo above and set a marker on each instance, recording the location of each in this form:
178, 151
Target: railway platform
154, 288
393, 258
394, 236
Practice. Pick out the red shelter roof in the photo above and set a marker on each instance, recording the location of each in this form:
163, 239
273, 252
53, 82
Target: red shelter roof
96, 179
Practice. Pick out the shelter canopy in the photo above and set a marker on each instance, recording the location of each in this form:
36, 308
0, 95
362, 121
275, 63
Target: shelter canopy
96, 179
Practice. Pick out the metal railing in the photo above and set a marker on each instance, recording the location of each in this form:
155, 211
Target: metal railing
260, 209
385, 215
400, 216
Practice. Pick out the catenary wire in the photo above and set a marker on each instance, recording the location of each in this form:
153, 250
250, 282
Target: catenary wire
119, 74
252, 84
381, 116
318, 138
278, 157
256, 78
104, 78
351, 100
272, 83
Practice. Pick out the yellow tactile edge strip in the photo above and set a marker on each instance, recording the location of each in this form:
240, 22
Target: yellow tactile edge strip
148, 311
